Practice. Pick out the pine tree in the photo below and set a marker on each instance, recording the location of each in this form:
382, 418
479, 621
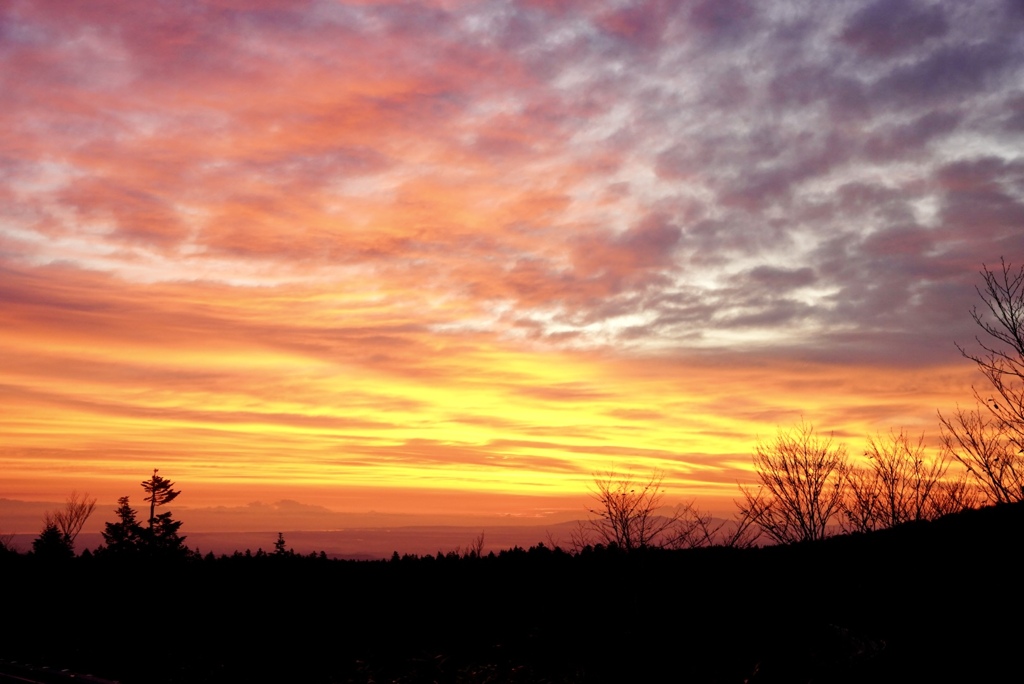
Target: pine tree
279, 546
125, 535
52, 544
159, 493
161, 537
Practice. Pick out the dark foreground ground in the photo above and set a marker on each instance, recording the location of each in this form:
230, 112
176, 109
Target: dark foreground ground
929, 602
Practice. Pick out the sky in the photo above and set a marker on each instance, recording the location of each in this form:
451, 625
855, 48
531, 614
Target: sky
456, 257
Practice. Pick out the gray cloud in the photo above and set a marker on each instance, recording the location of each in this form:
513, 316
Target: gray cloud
640, 168
890, 28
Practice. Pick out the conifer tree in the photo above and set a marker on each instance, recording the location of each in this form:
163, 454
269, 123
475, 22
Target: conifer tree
125, 535
159, 493
52, 544
161, 537
279, 546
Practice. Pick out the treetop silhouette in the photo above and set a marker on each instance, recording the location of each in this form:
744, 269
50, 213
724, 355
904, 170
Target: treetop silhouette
125, 535
800, 495
160, 537
159, 493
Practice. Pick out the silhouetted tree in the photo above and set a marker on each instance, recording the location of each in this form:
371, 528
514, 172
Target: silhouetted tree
7, 543
125, 535
901, 483
158, 493
698, 528
801, 485
52, 544
61, 528
955, 494
630, 514
985, 447
279, 546
626, 513
989, 441
161, 537
475, 549
70, 519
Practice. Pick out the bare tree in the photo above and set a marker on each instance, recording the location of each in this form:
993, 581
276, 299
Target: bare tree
989, 441
71, 519
742, 532
908, 477
954, 494
696, 528
801, 485
631, 515
900, 484
475, 548
983, 444
693, 528
1002, 358
628, 513
862, 500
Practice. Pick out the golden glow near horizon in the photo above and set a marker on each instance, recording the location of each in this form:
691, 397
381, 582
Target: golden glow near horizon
476, 253
410, 409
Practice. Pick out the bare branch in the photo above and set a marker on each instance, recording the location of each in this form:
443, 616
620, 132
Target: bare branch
985, 446
475, 548
989, 442
900, 484
744, 532
71, 519
627, 513
954, 495
800, 494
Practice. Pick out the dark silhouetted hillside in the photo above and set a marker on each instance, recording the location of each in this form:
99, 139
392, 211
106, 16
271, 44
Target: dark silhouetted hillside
933, 601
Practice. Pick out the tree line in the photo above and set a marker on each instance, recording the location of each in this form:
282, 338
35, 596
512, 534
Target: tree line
158, 537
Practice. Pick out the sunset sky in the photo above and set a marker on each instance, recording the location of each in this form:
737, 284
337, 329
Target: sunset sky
456, 257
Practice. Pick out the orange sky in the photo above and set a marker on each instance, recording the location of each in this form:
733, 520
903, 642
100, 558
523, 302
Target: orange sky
458, 257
